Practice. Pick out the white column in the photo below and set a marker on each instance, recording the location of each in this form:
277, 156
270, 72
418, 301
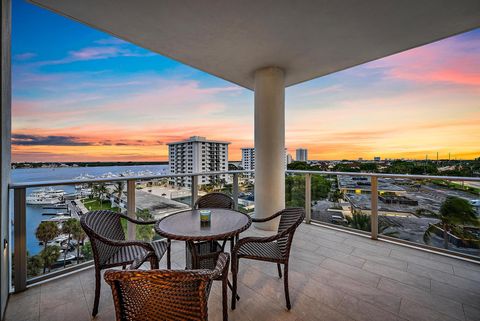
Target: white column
269, 144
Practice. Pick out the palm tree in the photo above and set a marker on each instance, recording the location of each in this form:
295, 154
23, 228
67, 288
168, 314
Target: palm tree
454, 213
46, 232
34, 264
67, 228
49, 255
119, 187
336, 196
102, 192
79, 236
361, 221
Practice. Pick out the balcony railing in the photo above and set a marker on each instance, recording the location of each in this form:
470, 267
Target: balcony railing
372, 185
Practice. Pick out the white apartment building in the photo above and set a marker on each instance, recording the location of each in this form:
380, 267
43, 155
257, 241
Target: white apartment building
196, 155
248, 160
302, 155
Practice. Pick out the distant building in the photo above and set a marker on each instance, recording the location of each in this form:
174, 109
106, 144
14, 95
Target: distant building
289, 159
248, 159
196, 155
377, 158
302, 155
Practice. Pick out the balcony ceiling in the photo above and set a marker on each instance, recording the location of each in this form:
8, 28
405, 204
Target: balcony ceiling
308, 39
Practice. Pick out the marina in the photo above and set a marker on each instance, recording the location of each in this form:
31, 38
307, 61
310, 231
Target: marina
63, 202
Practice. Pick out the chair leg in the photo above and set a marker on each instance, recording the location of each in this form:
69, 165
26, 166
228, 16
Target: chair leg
231, 289
285, 282
234, 280
169, 250
225, 296
97, 291
154, 265
279, 270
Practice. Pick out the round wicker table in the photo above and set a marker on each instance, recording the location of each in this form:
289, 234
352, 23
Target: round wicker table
186, 226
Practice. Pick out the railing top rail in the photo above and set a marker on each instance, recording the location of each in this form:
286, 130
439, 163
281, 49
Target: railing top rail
116, 179
406, 176
384, 175
150, 177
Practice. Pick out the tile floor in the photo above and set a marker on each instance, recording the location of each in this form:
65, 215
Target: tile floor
333, 276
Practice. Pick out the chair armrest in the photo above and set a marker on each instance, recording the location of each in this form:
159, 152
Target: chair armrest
266, 219
138, 261
123, 243
222, 266
260, 239
135, 221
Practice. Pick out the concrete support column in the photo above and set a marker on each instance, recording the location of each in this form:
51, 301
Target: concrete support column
269, 144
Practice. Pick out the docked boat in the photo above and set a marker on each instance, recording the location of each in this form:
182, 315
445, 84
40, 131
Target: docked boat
57, 241
45, 196
58, 219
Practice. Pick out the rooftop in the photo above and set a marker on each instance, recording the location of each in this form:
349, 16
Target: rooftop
334, 275
199, 139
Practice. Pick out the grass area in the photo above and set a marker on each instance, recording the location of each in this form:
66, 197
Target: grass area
96, 204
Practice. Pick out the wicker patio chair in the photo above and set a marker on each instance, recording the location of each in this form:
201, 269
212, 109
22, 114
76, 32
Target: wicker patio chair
203, 255
164, 294
110, 249
274, 248
216, 200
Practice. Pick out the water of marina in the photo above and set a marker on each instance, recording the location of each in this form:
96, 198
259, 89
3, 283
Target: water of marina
34, 212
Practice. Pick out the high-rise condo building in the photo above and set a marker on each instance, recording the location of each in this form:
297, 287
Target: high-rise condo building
302, 155
196, 155
248, 159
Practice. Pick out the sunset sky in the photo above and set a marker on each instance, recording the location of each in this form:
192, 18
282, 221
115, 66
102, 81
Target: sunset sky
82, 95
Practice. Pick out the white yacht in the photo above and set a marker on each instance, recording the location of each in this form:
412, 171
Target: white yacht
45, 196
41, 198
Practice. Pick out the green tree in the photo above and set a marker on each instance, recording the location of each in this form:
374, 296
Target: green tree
369, 167
67, 228
361, 221
454, 214
79, 236
46, 231
49, 256
295, 189
87, 251
118, 189
102, 193
34, 265
145, 232
336, 196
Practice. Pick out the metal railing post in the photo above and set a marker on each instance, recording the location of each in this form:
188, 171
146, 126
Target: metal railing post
308, 198
235, 190
20, 240
194, 180
374, 208
131, 209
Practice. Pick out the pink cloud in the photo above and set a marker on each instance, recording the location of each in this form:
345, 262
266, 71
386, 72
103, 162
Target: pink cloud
452, 60
95, 53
